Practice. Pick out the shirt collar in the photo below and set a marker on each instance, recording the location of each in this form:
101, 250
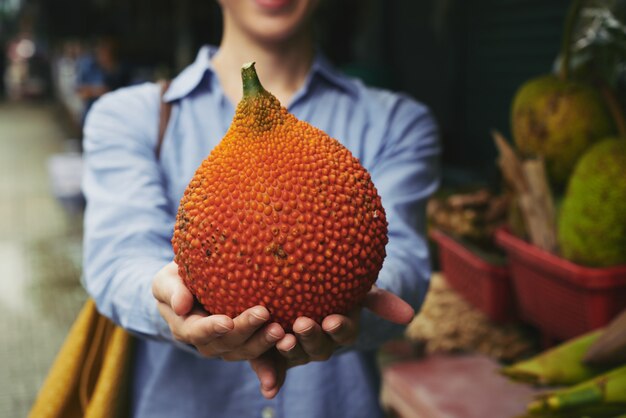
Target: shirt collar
185, 82
189, 79
323, 68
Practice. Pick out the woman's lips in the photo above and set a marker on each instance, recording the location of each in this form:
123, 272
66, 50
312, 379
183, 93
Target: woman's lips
273, 4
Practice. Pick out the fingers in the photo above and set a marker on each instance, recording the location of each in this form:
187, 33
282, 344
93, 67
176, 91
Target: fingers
182, 301
164, 284
198, 328
243, 338
293, 352
168, 288
271, 371
260, 342
343, 330
201, 331
313, 340
249, 337
246, 324
265, 369
280, 380
388, 306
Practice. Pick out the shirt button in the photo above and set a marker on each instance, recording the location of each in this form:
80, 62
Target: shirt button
268, 412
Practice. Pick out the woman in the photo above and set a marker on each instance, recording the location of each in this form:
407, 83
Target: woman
188, 363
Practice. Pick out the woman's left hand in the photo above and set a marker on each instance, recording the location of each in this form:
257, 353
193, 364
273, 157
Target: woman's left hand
311, 341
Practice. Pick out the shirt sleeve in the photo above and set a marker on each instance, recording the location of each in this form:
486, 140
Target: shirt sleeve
406, 172
128, 220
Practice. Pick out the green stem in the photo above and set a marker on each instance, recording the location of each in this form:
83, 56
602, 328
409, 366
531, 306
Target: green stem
615, 109
586, 396
566, 42
251, 84
607, 388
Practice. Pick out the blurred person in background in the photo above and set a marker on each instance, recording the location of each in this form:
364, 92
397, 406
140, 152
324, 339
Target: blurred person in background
100, 71
65, 69
3, 61
27, 69
186, 362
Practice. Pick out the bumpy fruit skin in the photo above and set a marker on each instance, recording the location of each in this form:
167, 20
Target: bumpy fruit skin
558, 120
280, 215
592, 221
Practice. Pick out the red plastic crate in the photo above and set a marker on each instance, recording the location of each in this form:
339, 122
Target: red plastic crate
561, 298
486, 286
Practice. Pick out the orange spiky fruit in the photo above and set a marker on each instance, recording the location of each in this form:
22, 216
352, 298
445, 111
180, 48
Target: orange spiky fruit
281, 215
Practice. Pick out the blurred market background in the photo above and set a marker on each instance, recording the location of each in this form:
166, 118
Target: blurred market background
464, 59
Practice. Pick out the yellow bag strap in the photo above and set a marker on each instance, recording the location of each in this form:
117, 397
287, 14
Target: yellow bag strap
110, 397
95, 349
58, 393
88, 378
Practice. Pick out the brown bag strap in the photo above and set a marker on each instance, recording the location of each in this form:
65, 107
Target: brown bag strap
93, 360
165, 109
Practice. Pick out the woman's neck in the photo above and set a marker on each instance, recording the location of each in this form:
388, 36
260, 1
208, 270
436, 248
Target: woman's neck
282, 67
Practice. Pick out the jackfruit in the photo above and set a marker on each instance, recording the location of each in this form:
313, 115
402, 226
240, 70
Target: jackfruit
558, 120
281, 215
592, 221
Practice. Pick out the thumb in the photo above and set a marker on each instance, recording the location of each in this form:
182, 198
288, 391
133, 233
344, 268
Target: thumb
388, 306
182, 300
168, 288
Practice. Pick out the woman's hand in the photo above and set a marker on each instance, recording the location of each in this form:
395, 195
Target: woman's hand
314, 342
244, 338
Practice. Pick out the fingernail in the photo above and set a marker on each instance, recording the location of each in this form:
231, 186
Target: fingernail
334, 328
306, 332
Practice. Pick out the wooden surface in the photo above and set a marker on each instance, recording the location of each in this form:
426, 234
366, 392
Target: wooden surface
452, 387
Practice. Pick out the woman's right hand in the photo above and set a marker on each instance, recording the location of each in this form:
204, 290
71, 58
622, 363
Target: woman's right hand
245, 337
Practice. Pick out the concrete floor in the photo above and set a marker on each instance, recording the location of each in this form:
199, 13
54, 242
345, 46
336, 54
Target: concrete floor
40, 252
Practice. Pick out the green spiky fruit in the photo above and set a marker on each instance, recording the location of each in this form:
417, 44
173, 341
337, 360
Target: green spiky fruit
592, 222
558, 120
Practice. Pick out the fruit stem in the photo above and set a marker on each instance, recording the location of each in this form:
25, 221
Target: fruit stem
566, 45
615, 109
251, 84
